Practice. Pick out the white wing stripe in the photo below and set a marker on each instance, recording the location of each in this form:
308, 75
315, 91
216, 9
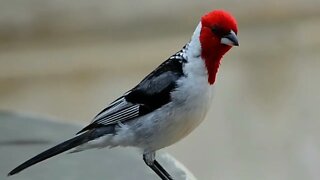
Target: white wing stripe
118, 115
113, 107
127, 117
124, 114
110, 112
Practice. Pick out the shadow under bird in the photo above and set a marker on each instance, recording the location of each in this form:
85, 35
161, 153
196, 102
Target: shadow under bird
166, 105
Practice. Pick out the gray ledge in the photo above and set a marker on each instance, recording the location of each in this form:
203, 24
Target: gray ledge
22, 137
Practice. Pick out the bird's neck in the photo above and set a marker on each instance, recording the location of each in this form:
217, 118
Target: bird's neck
211, 54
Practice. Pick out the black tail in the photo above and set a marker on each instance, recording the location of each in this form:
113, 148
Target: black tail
60, 148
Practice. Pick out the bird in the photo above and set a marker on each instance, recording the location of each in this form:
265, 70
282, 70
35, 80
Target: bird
166, 105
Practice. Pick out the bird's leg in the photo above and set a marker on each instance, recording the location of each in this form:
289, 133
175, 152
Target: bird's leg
149, 159
158, 165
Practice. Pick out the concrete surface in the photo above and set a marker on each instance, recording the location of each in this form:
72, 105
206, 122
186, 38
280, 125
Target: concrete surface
22, 137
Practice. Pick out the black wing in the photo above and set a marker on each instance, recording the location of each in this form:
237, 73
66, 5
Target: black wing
150, 94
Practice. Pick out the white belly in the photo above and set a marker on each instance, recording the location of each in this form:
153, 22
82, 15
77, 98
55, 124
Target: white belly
175, 120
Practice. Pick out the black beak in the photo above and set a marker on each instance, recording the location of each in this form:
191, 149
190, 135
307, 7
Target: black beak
231, 39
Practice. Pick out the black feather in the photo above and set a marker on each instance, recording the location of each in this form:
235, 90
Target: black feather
154, 91
62, 147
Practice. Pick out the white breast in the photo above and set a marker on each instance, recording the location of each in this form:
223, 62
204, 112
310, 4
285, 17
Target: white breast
191, 101
172, 122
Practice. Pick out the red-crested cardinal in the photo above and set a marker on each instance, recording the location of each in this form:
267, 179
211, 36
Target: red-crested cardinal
166, 105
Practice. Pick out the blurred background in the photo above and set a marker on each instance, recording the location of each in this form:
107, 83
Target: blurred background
68, 59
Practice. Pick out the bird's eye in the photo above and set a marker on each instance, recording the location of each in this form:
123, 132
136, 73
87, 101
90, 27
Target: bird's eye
219, 31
